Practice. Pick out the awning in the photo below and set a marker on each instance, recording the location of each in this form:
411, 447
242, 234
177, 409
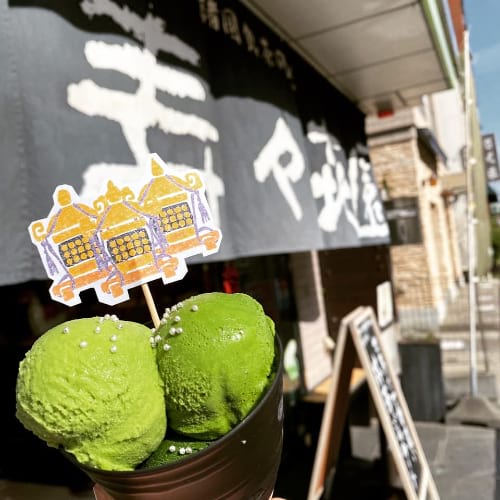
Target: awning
89, 88
427, 137
382, 55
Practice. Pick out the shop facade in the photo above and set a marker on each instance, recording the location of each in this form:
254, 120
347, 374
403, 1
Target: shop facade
91, 88
204, 85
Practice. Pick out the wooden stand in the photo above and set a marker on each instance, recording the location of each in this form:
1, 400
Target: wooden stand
359, 341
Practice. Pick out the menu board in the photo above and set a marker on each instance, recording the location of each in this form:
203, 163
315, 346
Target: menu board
360, 342
390, 398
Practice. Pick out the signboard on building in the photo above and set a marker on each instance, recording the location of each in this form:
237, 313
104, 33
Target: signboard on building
404, 220
490, 157
205, 85
385, 308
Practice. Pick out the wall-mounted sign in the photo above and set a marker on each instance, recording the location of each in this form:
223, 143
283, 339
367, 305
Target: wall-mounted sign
404, 220
385, 309
490, 157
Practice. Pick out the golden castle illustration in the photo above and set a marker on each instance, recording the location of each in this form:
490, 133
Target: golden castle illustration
123, 239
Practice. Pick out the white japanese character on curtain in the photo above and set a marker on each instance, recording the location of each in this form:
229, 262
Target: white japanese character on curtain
282, 157
332, 185
137, 112
345, 186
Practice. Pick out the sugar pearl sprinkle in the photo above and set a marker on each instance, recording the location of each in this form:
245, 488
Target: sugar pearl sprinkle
107, 316
65, 329
172, 331
119, 326
158, 338
194, 308
83, 344
97, 329
166, 347
113, 348
181, 451
237, 336
177, 319
113, 338
178, 330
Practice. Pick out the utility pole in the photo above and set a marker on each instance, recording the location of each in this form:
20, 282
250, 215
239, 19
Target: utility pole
471, 239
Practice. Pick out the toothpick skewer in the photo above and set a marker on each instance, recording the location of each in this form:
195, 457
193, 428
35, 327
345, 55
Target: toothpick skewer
151, 305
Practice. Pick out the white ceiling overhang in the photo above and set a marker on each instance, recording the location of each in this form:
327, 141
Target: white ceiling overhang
382, 54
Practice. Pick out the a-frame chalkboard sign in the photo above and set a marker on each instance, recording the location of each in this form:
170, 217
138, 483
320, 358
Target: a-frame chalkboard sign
359, 341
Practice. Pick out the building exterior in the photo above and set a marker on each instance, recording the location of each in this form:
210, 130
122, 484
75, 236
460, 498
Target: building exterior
420, 154
425, 254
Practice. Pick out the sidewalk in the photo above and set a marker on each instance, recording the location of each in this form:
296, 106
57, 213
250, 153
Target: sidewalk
462, 458
454, 335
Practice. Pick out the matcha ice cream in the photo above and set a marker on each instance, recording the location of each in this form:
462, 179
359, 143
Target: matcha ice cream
92, 387
215, 355
103, 389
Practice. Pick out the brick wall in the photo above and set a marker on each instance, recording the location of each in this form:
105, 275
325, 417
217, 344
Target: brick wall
394, 167
410, 275
424, 274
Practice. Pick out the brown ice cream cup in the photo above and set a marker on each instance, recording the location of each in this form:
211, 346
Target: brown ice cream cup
243, 464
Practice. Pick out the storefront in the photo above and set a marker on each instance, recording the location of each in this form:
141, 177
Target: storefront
283, 153
91, 88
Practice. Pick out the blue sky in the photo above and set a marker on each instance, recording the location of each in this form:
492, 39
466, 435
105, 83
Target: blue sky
483, 22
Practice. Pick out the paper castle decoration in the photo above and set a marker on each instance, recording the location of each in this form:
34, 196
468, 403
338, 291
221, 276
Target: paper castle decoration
126, 238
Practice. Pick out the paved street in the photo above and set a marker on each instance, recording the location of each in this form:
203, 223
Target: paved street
455, 341
464, 458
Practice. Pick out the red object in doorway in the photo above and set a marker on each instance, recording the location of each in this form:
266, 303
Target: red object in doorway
230, 279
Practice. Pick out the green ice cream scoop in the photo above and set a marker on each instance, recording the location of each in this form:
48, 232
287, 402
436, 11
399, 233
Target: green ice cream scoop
92, 387
215, 357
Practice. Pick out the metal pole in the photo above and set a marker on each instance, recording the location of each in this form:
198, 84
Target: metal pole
471, 240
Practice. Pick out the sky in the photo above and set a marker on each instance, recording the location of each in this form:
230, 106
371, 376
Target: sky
483, 22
